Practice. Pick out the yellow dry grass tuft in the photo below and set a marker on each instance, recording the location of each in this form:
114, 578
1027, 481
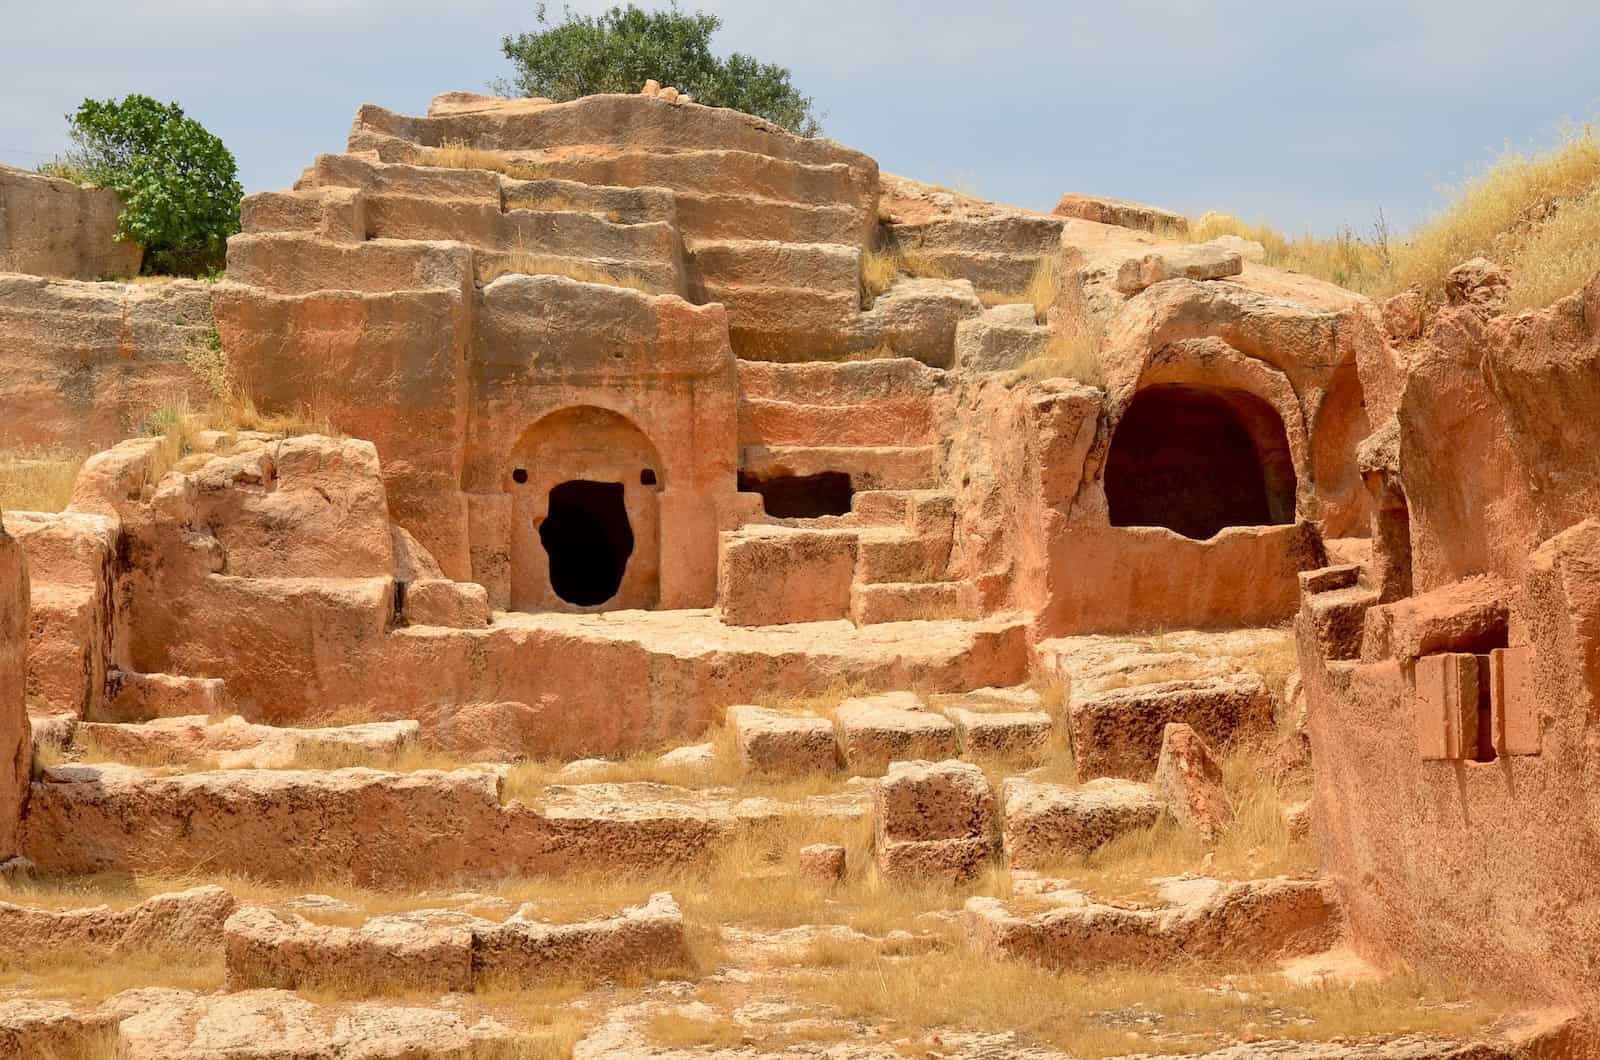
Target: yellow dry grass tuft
37, 480
459, 154
1500, 214
1558, 257
1121, 1011
1345, 259
178, 430
93, 974
1073, 352
923, 267
879, 270
1040, 291
677, 1030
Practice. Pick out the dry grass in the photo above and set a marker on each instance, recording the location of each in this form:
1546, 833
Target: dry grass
678, 1030
37, 480
1500, 213
1257, 844
458, 154
1073, 352
1119, 1011
1040, 291
524, 263
1536, 215
879, 270
923, 267
1558, 257
178, 427
90, 974
1347, 259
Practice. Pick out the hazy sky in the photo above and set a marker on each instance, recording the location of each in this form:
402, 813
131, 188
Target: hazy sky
1276, 111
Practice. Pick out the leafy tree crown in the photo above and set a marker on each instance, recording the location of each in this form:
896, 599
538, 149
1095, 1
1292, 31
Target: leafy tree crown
179, 183
620, 49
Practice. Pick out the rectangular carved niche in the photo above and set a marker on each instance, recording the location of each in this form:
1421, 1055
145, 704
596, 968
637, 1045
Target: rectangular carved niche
1452, 706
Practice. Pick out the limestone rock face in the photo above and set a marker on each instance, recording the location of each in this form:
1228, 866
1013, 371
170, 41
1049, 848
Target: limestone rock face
1190, 782
1478, 283
53, 227
86, 363
183, 920
16, 734
428, 950
1121, 212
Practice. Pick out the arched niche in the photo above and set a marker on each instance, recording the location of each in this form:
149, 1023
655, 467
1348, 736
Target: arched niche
1341, 424
585, 485
1197, 459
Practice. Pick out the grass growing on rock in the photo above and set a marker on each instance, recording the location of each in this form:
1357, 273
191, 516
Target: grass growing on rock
37, 480
1073, 352
93, 974
1121, 1011
1536, 214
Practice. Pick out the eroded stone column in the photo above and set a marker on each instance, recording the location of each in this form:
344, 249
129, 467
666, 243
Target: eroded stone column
16, 739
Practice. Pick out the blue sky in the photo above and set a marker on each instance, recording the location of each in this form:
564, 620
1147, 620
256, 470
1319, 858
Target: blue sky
1304, 115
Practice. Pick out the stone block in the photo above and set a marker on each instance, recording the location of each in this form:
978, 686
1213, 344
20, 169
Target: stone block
1118, 732
1514, 710
773, 742
770, 576
823, 864
1018, 737
1447, 705
1047, 824
933, 821
1189, 780
876, 730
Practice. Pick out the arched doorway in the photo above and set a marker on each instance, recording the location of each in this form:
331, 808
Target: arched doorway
587, 540
1196, 459
585, 484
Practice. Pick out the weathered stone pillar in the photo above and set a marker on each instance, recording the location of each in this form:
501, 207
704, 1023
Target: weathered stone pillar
16, 738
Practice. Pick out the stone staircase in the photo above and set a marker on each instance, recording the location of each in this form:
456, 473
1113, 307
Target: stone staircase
347, 201
876, 423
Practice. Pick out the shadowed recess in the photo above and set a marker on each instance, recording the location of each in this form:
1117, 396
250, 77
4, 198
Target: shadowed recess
1197, 459
588, 540
801, 496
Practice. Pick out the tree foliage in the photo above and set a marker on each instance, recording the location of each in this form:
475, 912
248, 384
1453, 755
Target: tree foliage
179, 183
619, 49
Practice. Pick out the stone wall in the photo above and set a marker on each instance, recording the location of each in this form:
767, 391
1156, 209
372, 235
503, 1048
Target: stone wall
52, 227
85, 363
1453, 728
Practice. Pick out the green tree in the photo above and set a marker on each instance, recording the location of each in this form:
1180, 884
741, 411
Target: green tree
619, 49
179, 183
